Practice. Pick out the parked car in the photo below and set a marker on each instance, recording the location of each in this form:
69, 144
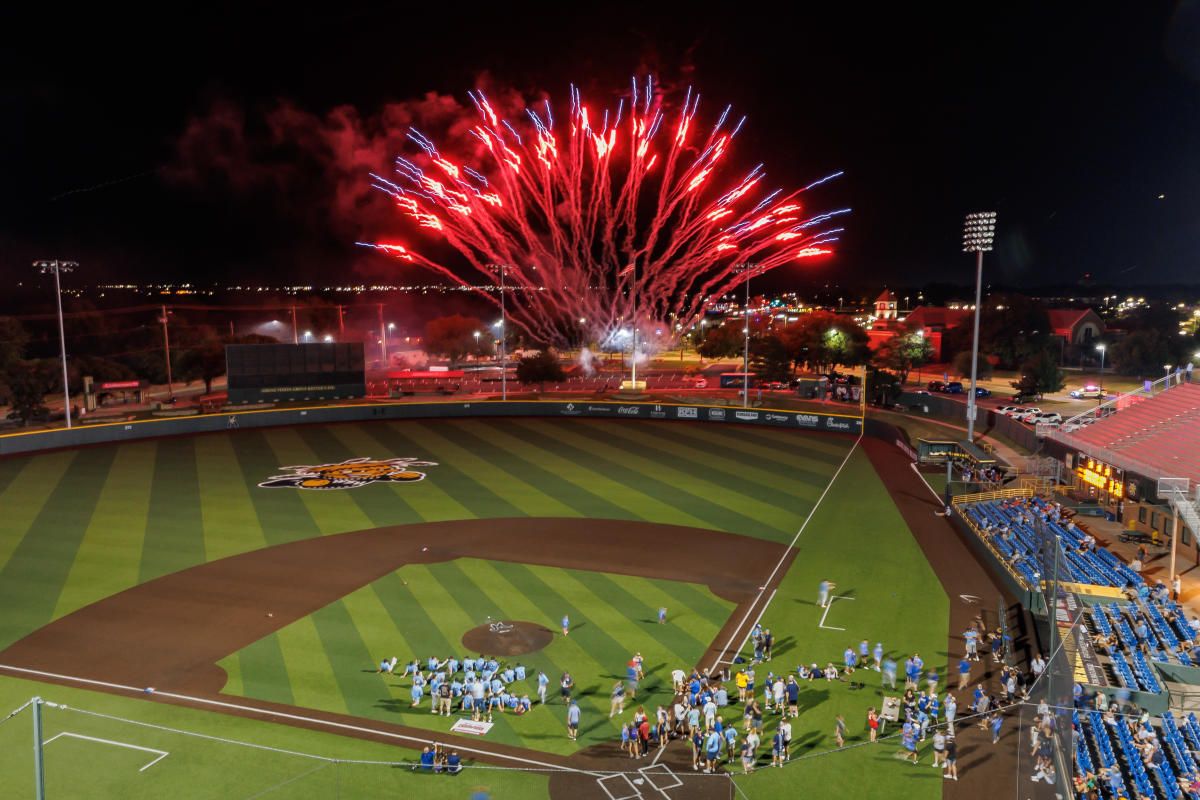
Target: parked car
774, 385
1029, 412
1011, 411
1043, 418
953, 387
982, 392
1086, 392
1025, 397
1078, 424
936, 386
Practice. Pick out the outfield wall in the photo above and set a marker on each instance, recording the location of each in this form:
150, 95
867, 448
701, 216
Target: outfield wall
361, 412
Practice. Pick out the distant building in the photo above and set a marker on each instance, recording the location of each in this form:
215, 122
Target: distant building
935, 321
1075, 326
885, 306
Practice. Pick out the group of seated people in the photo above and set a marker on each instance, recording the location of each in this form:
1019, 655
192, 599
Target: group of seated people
435, 759
479, 686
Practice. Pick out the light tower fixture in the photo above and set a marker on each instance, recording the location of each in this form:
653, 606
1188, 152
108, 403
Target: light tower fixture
55, 266
979, 232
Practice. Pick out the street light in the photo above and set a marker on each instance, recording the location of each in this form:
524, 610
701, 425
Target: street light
58, 267
1167, 367
1102, 348
979, 231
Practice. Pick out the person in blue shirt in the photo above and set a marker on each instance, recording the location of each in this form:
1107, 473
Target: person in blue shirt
850, 659
889, 673
566, 625
877, 653
712, 750
662, 616
427, 757
417, 692
996, 721
520, 672
508, 675
573, 721
542, 682
964, 674
453, 763
452, 666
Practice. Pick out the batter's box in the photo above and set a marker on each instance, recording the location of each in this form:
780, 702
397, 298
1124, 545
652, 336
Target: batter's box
661, 771
622, 785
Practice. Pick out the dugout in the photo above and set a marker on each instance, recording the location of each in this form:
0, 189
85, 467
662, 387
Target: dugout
960, 453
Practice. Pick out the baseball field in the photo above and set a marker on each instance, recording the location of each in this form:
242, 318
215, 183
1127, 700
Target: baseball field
256, 578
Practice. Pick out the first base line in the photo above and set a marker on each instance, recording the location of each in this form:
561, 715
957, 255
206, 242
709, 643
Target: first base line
822, 624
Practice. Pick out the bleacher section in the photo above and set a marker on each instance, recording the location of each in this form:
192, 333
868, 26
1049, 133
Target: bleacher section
1007, 525
1164, 640
1157, 437
1100, 746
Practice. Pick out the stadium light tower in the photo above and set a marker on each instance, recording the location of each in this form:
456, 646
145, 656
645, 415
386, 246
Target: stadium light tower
749, 269
502, 270
58, 267
1102, 348
978, 234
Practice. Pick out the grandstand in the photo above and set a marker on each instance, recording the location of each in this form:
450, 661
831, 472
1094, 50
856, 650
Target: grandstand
1150, 760
1157, 437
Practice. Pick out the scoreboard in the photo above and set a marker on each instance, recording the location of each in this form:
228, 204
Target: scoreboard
1104, 477
261, 373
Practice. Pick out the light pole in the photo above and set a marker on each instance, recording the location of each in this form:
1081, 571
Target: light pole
1102, 348
476, 335
167, 353
383, 340
748, 269
503, 270
57, 267
1167, 384
979, 232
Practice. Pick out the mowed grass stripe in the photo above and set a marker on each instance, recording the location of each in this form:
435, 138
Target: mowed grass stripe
333, 510
232, 666
526, 463
264, 672
694, 611
310, 673
281, 513
429, 501
499, 477
772, 489
25, 496
174, 530
817, 446
111, 549
476, 497
378, 628
231, 525
390, 502
11, 467
784, 471
634, 503
363, 689
32, 579
703, 499
381, 506
628, 602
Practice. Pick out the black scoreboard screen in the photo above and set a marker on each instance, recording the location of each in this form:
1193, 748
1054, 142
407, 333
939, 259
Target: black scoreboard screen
261, 373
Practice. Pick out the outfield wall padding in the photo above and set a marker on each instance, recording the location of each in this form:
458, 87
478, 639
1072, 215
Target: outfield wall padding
362, 412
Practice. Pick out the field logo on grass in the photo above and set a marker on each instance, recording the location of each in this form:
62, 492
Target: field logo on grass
349, 474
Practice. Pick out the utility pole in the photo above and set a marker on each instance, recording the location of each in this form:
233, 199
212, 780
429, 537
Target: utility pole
295, 333
167, 352
979, 232
503, 270
383, 343
57, 267
749, 270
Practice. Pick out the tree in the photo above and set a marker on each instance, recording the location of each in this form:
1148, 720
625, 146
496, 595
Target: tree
769, 359
962, 366
1012, 328
1144, 352
205, 361
883, 388
822, 340
1040, 374
27, 385
907, 349
452, 337
539, 368
721, 341
13, 339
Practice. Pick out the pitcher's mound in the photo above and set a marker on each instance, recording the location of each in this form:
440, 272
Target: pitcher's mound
507, 638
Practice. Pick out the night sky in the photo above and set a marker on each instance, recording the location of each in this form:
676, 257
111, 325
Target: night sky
226, 145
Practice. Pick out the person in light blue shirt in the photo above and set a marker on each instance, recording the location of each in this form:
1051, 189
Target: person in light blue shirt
877, 653
520, 672
416, 693
508, 675
566, 627
573, 721
542, 682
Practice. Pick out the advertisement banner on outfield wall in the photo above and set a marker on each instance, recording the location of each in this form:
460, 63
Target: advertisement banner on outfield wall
265, 418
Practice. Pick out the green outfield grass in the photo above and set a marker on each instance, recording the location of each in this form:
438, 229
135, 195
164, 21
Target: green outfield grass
857, 539
327, 661
209, 757
81, 525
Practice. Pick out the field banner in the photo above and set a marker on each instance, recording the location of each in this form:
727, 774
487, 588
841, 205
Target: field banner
471, 726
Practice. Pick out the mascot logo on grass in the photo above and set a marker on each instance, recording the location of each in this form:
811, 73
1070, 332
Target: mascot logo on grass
350, 474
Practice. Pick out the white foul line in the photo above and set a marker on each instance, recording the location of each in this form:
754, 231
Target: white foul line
828, 606
161, 753
295, 717
941, 500
741, 625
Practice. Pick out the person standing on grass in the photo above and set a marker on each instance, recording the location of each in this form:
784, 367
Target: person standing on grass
712, 750
951, 758
542, 683
565, 686
873, 723
908, 744
889, 674
566, 625
839, 730
877, 654
617, 706
731, 741
777, 748
662, 616
939, 748
823, 591
573, 721
785, 728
